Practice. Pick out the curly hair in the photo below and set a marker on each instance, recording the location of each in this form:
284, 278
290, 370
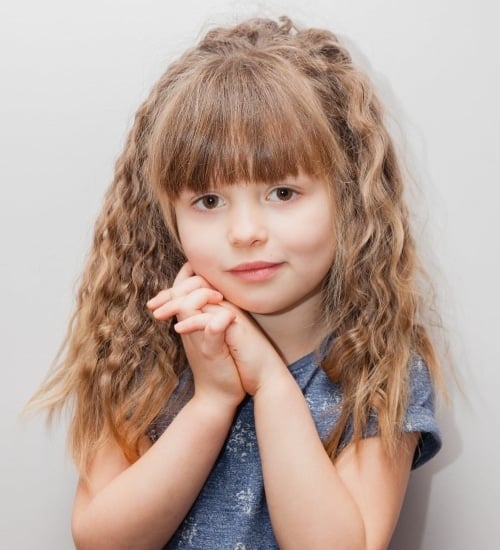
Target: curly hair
259, 101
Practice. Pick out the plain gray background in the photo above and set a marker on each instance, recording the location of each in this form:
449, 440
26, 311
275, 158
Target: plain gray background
73, 74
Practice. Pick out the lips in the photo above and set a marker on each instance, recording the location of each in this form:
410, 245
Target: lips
255, 271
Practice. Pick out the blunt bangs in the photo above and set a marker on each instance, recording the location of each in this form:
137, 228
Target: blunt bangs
251, 117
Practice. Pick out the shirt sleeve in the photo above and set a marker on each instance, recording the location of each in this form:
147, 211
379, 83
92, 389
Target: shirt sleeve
420, 414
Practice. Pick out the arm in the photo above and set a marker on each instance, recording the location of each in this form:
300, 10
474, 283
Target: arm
313, 503
140, 505
353, 503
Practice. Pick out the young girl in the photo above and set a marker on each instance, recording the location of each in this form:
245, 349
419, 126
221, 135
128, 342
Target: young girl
247, 363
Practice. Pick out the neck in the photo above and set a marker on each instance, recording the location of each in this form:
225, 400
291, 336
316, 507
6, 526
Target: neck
295, 332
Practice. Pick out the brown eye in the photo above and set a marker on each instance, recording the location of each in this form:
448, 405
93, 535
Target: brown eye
282, 194
208, 202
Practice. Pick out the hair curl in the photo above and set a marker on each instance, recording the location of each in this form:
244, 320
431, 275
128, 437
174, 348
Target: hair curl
203, 124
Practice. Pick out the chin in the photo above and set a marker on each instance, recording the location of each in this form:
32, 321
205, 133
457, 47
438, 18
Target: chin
254, 308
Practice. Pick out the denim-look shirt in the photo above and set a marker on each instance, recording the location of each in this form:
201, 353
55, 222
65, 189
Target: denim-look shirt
230, 513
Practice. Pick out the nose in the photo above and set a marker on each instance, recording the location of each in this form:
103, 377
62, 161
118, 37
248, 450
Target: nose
247, 226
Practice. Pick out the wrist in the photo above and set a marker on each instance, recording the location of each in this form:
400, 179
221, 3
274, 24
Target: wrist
273, 382
214, 408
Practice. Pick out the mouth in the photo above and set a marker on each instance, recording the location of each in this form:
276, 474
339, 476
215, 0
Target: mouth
256, 271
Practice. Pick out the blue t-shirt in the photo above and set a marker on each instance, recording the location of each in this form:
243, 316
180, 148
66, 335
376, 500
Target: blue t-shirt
230, 512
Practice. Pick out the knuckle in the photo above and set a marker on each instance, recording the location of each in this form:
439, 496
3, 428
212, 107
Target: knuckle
163, 294
198, 282
207, 350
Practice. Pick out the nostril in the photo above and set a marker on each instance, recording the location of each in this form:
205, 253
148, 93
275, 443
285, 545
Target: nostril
244, 236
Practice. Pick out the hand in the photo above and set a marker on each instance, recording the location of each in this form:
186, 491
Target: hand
257, 360
215, 374
259, 363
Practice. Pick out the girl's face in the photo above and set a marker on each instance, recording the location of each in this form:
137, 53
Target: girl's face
266, 247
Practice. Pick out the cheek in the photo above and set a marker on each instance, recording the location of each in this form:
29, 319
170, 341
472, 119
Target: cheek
314, 234
198, 249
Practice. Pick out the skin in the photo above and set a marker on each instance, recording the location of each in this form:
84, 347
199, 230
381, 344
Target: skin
241, 324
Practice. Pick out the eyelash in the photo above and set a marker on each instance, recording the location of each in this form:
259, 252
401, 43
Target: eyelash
291, 193
201, 202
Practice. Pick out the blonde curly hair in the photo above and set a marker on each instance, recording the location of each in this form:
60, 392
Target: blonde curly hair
255, 102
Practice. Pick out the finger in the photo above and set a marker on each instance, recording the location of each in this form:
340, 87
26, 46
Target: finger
214, 321
180, 288
184, 306
231, 307
219, 321
173, 292
191, 324
163, 296
185, 272
214, 328
158, 300
215, 332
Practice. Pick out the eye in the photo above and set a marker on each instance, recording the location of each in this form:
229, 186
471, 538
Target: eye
282, 194
208, 202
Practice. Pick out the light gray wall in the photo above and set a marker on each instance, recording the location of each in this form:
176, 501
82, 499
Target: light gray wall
72, 75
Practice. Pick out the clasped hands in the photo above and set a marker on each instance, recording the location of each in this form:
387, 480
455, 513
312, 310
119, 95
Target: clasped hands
228, 353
